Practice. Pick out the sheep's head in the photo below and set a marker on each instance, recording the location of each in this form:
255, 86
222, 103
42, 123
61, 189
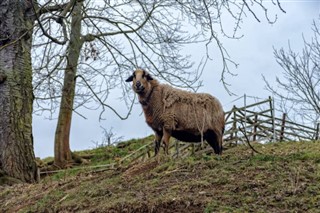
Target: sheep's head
140, 81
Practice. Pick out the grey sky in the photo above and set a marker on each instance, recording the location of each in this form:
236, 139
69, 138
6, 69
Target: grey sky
253, 53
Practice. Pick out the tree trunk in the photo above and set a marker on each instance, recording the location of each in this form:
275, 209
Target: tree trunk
17, 158
62, 153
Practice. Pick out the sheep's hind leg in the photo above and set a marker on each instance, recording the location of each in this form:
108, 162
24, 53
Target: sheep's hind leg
165, 140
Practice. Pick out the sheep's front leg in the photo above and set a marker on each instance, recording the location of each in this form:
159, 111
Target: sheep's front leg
165, 139
157, 143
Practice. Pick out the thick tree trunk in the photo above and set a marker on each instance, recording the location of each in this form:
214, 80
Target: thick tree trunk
16, 142
62, 153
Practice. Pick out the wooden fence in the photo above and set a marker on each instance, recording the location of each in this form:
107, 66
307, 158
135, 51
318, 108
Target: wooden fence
259, 123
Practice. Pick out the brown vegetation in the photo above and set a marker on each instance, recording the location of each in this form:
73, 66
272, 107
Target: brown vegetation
283, 179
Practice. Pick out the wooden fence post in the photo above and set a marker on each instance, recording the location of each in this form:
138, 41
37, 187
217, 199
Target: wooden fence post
271, 102
283, 126
234, 127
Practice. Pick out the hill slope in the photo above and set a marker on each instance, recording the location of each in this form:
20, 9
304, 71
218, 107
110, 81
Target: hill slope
285, 178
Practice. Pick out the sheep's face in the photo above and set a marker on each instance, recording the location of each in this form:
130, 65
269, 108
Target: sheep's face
140, 81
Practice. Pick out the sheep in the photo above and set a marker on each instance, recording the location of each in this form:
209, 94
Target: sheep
186, 116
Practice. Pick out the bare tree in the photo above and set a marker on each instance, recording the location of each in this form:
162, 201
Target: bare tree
17, 158
109, 138
299, 87
94, 44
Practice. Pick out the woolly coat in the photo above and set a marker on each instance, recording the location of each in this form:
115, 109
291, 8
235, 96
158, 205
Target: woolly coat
188, 116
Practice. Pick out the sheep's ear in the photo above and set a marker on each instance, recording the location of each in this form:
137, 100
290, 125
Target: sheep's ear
149, 78
130, 79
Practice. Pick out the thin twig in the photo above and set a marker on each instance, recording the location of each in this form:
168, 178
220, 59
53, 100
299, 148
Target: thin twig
247, 139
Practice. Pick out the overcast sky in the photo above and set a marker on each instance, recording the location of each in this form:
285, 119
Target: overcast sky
253, 53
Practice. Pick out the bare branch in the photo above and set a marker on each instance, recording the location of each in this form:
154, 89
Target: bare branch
64, 41
299, 88
106, 105
119, 36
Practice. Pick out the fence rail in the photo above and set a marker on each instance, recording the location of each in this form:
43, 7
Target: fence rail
262, 125
257, 121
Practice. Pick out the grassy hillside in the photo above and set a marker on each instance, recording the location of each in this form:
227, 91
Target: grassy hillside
285, 178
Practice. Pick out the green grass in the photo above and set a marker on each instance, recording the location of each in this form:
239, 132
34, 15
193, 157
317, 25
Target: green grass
110, 153
284, 178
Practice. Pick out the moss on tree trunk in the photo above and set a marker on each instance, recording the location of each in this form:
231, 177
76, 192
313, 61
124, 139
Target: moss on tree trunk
17, 158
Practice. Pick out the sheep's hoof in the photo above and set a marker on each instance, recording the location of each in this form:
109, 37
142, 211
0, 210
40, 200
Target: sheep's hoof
156, 153
156, 148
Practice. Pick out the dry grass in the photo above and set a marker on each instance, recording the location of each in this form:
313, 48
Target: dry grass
285, 178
